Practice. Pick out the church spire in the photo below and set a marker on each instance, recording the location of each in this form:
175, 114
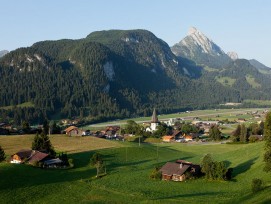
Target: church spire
154, 118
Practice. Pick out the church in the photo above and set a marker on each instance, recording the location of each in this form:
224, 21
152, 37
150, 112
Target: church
154, 122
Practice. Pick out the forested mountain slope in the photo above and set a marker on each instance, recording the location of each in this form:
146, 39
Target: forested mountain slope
113, 74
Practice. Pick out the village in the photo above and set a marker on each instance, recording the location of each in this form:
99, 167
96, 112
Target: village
174, 130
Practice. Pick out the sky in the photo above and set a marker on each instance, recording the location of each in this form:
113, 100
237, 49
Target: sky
243, 26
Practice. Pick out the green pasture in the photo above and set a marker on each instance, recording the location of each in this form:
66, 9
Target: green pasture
128, 166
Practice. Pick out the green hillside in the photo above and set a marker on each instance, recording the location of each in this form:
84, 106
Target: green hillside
128, 180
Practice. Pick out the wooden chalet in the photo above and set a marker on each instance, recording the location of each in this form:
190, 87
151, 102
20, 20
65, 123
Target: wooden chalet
168, 138
37, 156
30, 156
176, 171
21, 156
73, 131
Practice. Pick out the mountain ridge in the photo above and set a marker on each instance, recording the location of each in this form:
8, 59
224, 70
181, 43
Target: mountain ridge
118, 73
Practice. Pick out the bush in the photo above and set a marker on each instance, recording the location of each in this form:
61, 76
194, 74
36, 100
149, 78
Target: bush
253, 138
156, 174
70, 161
256, 185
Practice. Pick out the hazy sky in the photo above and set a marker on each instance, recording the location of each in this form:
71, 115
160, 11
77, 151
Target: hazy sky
243, 26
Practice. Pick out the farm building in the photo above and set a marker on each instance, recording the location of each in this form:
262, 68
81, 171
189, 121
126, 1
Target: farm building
176, 171
21, 156
73, 131
168, 138
30, 156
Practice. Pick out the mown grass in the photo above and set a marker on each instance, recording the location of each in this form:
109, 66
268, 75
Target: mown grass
12, 144
22, 105
226, 81
127, 181
251, 80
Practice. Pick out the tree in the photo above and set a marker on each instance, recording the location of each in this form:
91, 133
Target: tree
215, 133
214, 170
243, 133
97, 161
2, 154
267, 138
236, 134
42, 143
26, 127
206, 166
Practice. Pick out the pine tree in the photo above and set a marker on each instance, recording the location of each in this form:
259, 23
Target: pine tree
42, 143
267, 138
2, 154
236, 134
243, 133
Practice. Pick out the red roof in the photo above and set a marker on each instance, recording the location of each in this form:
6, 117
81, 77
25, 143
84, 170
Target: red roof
67, 130
37, 156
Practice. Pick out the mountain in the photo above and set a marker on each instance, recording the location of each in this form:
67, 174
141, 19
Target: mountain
120, 73
200, 49
260, 66
3, 52
233, 55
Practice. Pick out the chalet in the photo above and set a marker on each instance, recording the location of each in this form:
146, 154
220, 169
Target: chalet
21, 156
176, 171
73, 131
37, 156
30, 156
177, 134
168, 138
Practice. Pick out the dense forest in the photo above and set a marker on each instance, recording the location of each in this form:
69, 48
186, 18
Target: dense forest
115, 74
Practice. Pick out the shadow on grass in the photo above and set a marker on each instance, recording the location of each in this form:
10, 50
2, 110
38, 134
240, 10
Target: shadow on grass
250, 196
243, 167
189, 195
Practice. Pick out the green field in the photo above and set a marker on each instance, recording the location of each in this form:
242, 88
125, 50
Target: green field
217, 114
22, 105
226, 81
252, 82
127, 181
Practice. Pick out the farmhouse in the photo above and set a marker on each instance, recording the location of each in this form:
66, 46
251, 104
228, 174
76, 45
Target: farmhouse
73, 131
21, 156
30, 156
177, 171
37, 157
168, 138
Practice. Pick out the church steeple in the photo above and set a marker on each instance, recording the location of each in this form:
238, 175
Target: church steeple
154, 118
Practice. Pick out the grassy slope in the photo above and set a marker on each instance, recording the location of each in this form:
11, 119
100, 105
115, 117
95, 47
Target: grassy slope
226, 81
22, 105
127, 181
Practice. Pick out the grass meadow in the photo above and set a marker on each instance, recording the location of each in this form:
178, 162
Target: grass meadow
128, 167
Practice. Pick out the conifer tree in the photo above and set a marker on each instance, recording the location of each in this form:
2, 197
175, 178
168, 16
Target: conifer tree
2, 154
267, 138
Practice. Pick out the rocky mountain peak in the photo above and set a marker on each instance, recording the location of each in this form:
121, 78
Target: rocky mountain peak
233, 55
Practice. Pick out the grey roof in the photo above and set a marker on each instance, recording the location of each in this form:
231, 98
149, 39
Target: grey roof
171, 168
154, 118
53, 161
